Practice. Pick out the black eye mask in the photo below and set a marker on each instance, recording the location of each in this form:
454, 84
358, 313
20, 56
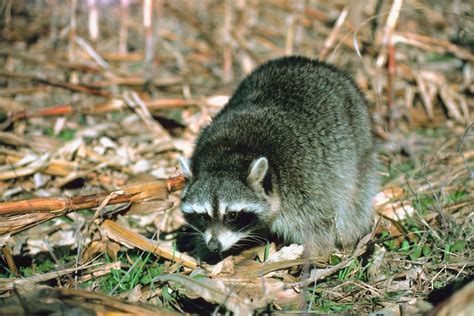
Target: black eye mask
199, 220
241, 220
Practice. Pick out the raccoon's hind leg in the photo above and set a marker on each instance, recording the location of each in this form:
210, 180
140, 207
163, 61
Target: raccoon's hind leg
307, 225
360, 216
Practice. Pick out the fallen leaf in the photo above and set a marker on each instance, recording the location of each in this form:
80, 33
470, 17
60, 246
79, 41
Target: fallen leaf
290, 252
132, 239
214, 291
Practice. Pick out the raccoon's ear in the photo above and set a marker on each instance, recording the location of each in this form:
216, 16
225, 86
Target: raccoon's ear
258, 170
184, 166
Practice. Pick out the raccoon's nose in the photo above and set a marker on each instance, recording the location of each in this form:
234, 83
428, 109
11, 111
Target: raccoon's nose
214, 245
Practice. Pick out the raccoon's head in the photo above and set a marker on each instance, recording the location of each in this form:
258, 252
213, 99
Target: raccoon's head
223, 209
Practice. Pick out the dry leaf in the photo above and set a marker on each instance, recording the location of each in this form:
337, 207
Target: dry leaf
132, 239
290, 252
373, 271
99, 246
214, 291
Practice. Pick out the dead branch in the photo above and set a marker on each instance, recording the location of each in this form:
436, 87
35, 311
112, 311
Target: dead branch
432, 44
50, 62
49, 300
19, 215
131, 193
55, 83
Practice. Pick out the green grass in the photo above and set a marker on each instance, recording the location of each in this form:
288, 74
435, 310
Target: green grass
438, 132
142, 272
266, 253
66, 134
40, 264
435, 57
42, 267
395, 170
122, 280
455, 197
328, 306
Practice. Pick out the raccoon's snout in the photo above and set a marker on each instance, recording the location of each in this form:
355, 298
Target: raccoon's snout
222, 239
214, 245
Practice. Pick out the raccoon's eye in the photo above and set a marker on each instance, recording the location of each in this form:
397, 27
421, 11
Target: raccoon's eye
231, 216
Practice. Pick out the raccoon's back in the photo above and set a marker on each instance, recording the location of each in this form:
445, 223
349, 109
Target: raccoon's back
303, 115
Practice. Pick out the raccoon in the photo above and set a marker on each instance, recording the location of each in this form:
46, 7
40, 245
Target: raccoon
291, 155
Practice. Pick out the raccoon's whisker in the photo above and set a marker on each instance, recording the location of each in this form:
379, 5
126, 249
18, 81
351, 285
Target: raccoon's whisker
239, 247
252, 234
252, 241
256, 231
194, 227
245, 227
257, 238
254, 238
260, 236
262, 239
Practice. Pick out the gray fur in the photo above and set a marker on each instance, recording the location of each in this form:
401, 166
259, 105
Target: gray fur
318, 176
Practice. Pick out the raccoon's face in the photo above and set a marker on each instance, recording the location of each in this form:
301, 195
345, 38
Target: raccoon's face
223, 210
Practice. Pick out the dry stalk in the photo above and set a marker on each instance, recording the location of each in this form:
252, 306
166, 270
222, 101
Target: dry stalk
431, 44
55, 83
123, 33
93, 22
149, 47
388, 31
19, 215
131, 239
329, 42
227, 72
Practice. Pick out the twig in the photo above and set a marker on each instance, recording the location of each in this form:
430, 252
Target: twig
137, 81
329, 42
49, 61
63, 205
72, 31
388, 31
390, 81
90, 50
291, 23
190, 18
136, 103
123, 33
7, 254
431, 44
93, 21
114, 104
10, 283
227, 73
53, 167
149, 47
55, 83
